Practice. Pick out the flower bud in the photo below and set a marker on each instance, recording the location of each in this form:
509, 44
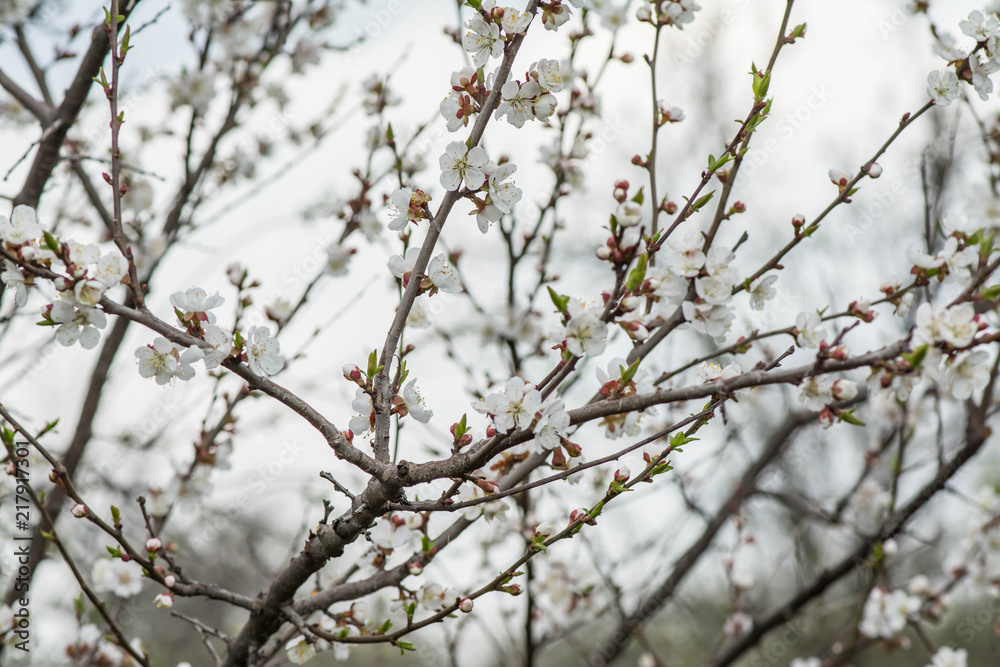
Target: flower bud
874, 170
79, 511
169, 581
465, 606
844, 390
416, 569
153, 545
544, 529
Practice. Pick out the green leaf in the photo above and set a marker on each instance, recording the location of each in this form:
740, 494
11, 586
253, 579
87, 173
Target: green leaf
916, 357
661, 468
48, 427
638, 274
991, 293
384, 628
639, 197
475, 4
372, 363
51, 242
404, 647
116, 514
714, 164
848, 416
114, 551
679, 439
560, 301
629, 373
426, 544
701, 201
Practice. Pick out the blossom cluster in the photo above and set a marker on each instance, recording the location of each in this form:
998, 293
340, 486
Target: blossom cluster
973, 66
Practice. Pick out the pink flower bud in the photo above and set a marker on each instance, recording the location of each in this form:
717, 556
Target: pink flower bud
874, 170
169, 581
79, 511
826, 418
416, 569
465, 606
153, 545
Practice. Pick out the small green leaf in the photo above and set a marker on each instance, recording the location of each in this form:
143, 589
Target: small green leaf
116, 514
638, 274
114, 551
701, 201
372, 363
916, 357
848, 416
384, 628
560, 301
404, 647
639, 197
679, 439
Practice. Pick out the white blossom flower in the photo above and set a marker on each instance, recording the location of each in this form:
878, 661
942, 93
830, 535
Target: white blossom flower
164, 600
337, 259
362, 403
555, 15
415, 405
982, 66
482, 41
14, 279
810, 331
434, 597
221, 342
708, 319
111, 268
713, 291
548, 75
515, 406
22, 226
443, 275
503, 194
942, 86
584, 333
553, 423
885, 614
159, 359
685, 257
78, 323
196, 303
388, 535
806, 662
667, 286
679, 12
738, 623
459, 162
489, 510
979, 26
956, 325
628, 214
969, 373
88, 292
192, 88
950, 657
400, 212
816, 392
762, 290
517, 101
299, 651
263, 352
116, 576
